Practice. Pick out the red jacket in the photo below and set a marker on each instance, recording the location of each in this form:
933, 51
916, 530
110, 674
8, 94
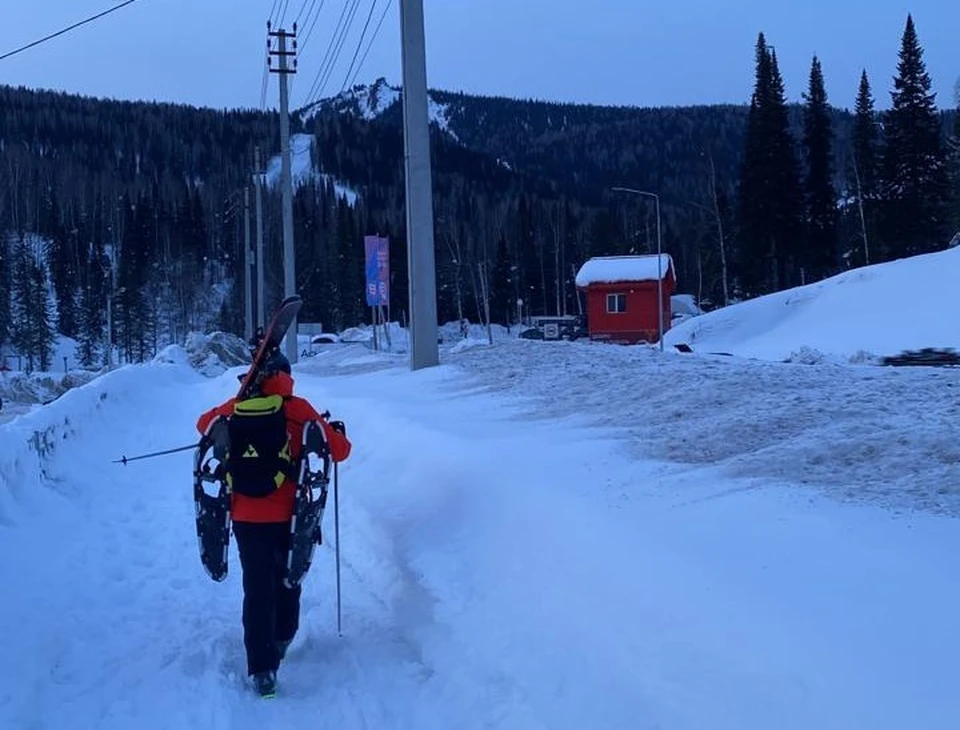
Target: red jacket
278, 507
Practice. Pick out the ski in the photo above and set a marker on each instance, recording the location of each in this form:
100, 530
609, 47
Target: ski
272, 337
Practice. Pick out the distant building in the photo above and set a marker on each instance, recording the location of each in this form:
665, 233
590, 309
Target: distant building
621, 296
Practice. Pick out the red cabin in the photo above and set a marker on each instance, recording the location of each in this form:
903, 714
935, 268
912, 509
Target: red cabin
622, 296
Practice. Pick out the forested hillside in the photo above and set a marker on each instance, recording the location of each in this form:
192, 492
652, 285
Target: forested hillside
754, 198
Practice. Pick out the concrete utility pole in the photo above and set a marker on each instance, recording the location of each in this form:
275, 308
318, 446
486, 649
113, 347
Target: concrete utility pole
286, 180
247, 265
258, 180
416, 135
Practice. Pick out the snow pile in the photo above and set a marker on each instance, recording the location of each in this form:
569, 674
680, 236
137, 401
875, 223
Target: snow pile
209, 355
395, 340
856, 316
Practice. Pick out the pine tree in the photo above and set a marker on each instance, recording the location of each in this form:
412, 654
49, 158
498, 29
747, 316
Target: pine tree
770, 215
914, 164
821, 255
864, 169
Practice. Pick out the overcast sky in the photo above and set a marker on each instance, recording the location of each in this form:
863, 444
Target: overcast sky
210, 52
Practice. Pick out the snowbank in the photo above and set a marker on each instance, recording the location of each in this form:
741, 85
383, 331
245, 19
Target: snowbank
28, 443
209, 355
855, 316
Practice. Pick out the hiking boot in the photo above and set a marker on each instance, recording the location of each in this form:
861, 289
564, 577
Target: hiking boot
265, 683
282, 647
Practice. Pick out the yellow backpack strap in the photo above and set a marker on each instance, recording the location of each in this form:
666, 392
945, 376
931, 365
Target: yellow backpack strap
262, 406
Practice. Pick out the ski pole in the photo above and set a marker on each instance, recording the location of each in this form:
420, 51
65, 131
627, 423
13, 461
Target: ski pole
336, 527
123, 459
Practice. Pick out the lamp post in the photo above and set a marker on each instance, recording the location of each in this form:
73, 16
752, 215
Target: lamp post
656, 199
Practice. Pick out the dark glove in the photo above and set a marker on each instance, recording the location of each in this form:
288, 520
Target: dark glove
339, 426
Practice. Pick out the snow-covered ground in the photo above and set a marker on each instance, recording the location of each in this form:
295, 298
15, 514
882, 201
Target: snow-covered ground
534, 535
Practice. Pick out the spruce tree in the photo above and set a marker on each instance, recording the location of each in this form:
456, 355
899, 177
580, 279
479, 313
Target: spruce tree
770, 204
820, 258
864, 170
34, 334
914, 162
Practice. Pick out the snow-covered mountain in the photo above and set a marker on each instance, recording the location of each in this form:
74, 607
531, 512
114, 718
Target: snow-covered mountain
533, 535
371, 101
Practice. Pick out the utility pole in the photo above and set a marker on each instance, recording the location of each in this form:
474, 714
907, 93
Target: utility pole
258, 180
247, 265
285, 56
660, 271
419, 188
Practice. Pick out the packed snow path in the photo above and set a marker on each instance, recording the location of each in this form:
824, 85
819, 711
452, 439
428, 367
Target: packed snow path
499, 570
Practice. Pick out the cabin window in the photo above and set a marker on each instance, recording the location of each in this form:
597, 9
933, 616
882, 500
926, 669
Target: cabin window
616, 303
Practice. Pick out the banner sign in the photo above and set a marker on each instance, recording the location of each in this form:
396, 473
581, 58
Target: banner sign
378, 270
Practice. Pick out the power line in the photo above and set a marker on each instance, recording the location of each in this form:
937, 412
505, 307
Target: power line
273, 10
66, 30
356, 53
326, 55
376, 32
303, 8
283, 13
263, 87
303, 43
338, 49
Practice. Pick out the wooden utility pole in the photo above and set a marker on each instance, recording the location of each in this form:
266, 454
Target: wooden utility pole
288, 65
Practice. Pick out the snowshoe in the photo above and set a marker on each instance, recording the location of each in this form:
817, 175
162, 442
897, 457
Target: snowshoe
212, 509
311, 500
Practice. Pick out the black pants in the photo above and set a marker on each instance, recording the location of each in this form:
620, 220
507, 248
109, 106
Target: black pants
271, 611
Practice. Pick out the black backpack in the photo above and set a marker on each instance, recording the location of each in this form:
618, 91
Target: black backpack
258, 460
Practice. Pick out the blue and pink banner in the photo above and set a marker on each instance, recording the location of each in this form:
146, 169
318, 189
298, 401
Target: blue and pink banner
378, 270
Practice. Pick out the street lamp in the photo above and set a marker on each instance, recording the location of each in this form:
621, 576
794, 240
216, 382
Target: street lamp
656, 199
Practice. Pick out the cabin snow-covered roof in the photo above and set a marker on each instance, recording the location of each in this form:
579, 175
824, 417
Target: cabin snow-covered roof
615, 269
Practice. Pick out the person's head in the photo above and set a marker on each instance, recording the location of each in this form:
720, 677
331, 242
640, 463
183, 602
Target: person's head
276, 378
276, 362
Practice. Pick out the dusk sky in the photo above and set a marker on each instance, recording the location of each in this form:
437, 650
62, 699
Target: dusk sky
210, 52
